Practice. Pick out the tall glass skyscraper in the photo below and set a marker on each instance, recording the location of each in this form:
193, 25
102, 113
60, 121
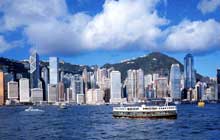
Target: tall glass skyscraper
34, 70
189, 72
45, 81
175, 78
218, 84
54, 70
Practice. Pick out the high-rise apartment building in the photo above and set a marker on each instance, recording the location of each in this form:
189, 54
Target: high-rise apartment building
115, 90
36, 95
135, 85
61, 96
13, 90
162, 87
52, 93
24, 90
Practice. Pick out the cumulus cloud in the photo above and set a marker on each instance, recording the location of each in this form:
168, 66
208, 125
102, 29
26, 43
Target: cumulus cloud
123, 24
4, 45
208, 6
58, 37
25, 12
194, 36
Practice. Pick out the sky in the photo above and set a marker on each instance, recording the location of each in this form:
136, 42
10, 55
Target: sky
90, 32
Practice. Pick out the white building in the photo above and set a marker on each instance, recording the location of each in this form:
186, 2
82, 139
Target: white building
69, 95
94, 96
77, 84
148, 80
54, 67
52, 93
12, 90
36, 95
115, 90
80, 98
24, 90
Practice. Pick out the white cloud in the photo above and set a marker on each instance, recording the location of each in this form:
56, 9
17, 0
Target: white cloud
208, 6
24, 12
4, 45
122, 24
195, 36
58, 37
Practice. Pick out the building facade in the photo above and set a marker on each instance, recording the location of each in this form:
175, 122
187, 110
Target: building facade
52, 93
218, 84
45, 81
1, 88
13, 90
189, 72
115, 90
34, 70
175, 79
36, 95
54, 70
24, 90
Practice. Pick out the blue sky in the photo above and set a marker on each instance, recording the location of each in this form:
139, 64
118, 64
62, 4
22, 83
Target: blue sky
108, 31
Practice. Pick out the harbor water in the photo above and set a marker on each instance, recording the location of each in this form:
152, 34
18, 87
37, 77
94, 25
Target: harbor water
96, 122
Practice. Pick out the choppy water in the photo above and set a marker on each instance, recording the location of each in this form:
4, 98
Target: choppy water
96, 122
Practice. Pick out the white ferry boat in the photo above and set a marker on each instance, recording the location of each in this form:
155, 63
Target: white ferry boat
144, 111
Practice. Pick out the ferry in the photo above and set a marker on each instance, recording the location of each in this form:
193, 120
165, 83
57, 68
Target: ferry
143, 111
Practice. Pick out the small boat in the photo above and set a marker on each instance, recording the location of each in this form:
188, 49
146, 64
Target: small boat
177, 102
31, 109
143, 111
201, 104
63, 106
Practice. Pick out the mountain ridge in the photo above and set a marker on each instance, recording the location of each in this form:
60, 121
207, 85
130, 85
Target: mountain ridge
155, 62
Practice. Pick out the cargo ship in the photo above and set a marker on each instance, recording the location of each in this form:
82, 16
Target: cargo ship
143, 111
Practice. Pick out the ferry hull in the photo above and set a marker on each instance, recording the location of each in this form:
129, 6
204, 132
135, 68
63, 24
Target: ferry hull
153, 115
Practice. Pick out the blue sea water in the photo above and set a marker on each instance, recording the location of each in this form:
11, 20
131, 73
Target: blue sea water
97, 123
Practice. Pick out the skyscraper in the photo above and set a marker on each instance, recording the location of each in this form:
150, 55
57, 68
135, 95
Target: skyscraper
12, 90
161, 87
218, 84
36, 95
52, 93
140, 84
175, 78
189, 72
24, 90
131, 85
61, 96
45, 81
34, 70
54, 70
1, 88
135, 85
115, 80
77, 84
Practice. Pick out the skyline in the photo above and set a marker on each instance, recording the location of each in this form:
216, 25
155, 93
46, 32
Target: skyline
58, 22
